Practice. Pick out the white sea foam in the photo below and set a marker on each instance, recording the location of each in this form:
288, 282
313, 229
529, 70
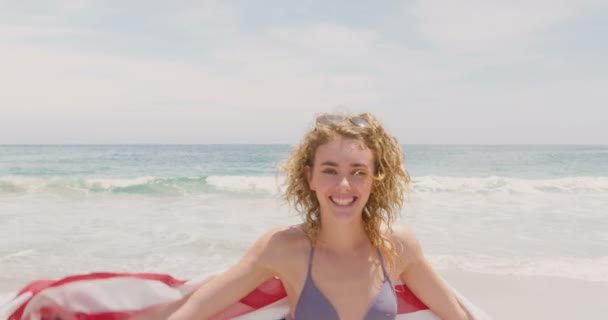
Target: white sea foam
150, 185
510, 185
111, 183
61, 185
265, 184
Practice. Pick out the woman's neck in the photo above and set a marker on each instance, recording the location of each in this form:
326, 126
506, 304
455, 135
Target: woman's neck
342, 238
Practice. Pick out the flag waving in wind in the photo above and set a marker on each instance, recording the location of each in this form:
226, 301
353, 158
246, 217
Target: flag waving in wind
121, 296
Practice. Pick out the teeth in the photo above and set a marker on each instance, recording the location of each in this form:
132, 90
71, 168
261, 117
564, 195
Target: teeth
343, 201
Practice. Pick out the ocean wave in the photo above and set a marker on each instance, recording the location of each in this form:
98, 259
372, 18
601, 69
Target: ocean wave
590, 269
152, 185
510, 185
266, 184
145, 185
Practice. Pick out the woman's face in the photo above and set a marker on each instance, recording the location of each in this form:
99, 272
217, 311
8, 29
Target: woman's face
341, 177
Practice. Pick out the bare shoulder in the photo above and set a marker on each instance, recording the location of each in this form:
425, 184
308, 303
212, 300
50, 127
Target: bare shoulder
281, 245
406, 245
285, 237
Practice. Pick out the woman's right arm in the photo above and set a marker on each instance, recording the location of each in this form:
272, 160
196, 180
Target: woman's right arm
227, 288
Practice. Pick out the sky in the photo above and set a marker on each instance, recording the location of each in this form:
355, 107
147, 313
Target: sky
190, 72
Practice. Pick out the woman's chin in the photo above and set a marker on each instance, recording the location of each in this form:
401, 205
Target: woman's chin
345, 213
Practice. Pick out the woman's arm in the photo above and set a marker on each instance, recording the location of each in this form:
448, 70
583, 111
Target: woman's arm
159, 312
418, 274
224, 289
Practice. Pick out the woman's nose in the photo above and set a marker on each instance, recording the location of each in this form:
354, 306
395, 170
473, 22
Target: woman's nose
344, 182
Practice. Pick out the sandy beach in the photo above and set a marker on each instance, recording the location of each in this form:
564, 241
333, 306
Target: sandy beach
532, 297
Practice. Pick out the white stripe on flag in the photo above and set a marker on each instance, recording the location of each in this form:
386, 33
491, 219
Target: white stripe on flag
105, 295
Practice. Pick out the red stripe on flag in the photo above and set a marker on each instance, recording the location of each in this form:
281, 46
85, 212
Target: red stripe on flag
270, 291
406, 300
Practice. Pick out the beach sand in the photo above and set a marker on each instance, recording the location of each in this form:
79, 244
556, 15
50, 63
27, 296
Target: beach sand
532, 297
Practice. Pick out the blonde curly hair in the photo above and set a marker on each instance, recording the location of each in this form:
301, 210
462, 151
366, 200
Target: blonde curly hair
390, 179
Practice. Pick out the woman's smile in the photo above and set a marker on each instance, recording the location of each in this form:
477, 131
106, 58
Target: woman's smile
344, 202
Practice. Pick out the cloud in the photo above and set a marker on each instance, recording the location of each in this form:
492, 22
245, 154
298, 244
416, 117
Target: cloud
327, 37
200, 74
69, 88
203, 16
491, 26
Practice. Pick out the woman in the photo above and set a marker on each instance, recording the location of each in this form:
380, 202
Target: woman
347, 179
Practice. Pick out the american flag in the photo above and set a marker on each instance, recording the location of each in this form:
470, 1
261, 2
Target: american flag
121, 296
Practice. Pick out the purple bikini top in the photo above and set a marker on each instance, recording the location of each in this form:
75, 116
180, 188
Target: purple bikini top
313, 305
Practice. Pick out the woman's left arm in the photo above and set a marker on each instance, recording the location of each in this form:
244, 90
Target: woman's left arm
417, 273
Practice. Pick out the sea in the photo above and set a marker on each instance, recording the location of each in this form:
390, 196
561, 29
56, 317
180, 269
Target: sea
189, 210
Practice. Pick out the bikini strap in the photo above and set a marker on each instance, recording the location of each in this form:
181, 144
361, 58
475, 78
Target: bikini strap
312, 251
382, 262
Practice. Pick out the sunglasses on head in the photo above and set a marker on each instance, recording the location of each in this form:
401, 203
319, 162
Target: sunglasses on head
328, 119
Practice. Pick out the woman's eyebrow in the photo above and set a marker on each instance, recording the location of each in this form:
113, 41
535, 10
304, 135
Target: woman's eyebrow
354, 165
329, 163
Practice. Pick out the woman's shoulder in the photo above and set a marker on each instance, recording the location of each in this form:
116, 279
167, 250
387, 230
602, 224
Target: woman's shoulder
405, 242
283, 249
401, 234
284, 241
287, 235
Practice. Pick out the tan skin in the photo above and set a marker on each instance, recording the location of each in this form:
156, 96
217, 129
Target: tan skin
346, 268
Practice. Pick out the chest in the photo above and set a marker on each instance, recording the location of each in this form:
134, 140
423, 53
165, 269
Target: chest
352, 288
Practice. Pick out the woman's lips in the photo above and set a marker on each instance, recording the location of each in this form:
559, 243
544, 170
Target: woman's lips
342, 201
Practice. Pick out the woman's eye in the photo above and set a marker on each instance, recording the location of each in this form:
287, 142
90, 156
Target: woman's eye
329, 171
358, 173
